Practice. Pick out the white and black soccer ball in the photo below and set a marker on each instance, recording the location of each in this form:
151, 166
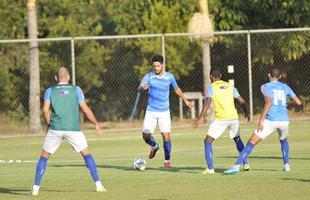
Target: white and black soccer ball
139, 164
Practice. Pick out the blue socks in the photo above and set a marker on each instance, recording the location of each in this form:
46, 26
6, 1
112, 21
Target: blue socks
284, 149
41, 166
151, 141
209, 155
91, 165
240, 147
167, 149
245, 153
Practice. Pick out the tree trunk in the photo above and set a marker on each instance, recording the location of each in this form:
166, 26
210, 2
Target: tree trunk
206, 62
34, 87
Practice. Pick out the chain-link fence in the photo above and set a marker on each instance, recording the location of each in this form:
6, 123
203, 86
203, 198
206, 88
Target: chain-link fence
109, 69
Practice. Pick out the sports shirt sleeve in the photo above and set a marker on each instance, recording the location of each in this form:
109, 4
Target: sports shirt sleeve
47, 94
145, 80
80, 94
290, 92
265, 91
235, 92
209, 91
173, 82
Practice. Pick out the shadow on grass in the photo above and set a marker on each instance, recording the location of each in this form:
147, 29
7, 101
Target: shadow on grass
14, 191
297, 179
266, 157
129, 168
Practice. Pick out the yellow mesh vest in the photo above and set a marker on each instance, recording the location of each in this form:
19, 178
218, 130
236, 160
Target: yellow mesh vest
223, 101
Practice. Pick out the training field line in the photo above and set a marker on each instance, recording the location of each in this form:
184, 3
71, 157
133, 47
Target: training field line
115, 157
130, 137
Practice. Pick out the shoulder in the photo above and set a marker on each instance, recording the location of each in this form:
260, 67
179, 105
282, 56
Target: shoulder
150, 74
168, 74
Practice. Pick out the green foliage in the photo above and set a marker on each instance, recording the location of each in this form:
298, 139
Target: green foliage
96, 60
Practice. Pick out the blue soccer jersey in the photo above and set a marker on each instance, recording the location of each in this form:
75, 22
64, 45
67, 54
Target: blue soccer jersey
278, 92
158, 92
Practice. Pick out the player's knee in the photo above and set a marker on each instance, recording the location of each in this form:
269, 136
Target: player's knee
208, 139
166, 136
146, 137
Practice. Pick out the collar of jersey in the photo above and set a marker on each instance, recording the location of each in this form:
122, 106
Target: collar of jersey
62, 83
160, 77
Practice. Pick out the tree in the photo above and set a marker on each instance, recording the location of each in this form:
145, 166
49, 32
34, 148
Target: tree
34, 87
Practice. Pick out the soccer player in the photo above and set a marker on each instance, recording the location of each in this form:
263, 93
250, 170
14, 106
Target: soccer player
157, 83
274, 117
63, 121
222, 94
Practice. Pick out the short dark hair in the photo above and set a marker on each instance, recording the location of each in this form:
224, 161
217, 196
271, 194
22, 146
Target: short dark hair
216, 72
158, 58
275, 72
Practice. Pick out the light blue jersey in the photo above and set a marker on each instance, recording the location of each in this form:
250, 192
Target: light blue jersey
158, 92
278, 92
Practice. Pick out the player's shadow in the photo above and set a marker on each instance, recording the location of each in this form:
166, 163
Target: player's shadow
14, 191
297, 179
266, 157
129, 168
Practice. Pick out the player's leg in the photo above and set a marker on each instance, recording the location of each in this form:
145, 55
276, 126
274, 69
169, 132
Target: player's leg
164, 124
91, 165
254, 140
51, 143
283, 132
234, 132
149, 125
208, 155
216, 129
78, 142
167, 149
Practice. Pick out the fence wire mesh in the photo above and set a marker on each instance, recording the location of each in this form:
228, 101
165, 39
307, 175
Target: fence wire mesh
109, 70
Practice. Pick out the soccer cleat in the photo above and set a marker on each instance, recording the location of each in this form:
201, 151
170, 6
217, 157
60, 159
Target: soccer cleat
208, 171
167, 164
153, 151
286, 167
99, 187
35, 190
233, 170
246, 167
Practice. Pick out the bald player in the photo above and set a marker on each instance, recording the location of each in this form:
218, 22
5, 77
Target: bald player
61, 111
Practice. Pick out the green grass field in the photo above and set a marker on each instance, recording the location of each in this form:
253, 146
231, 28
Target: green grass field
66, 176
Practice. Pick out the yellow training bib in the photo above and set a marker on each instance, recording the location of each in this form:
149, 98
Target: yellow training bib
223, 100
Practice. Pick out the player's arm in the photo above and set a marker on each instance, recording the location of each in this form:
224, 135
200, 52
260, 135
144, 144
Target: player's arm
202, 114
90, 115
179, 92
46, 106
46, 112
144, 85
244, 107
87, 111
267, 106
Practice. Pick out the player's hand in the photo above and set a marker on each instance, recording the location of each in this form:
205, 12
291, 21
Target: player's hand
98, 130
146, 86
260, 126
197, 122
247, 116
188, 103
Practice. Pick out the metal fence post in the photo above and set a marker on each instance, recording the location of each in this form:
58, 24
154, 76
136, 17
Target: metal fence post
73, 61
163, 47
250, 74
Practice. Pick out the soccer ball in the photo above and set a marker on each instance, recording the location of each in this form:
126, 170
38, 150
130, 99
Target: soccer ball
139, 164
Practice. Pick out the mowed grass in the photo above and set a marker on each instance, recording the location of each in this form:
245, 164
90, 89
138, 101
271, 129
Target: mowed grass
66, 176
